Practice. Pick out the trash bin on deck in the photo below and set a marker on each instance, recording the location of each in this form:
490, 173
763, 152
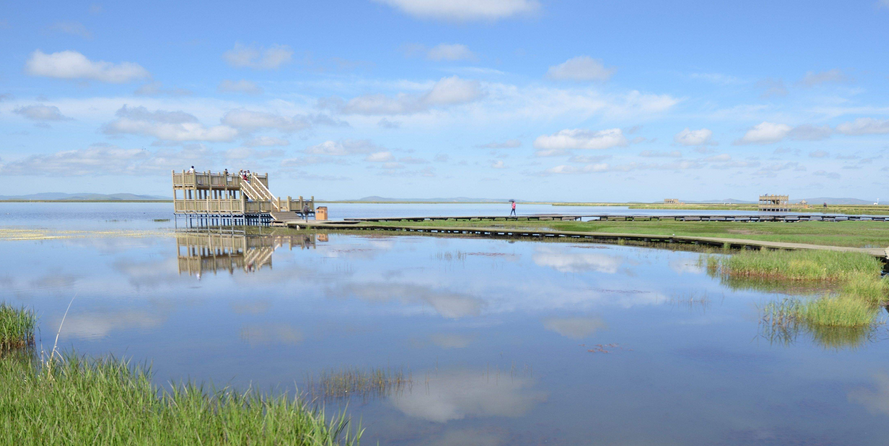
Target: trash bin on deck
321, 213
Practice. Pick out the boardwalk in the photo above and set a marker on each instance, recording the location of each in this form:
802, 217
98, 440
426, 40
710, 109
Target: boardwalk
609, 237
785, 218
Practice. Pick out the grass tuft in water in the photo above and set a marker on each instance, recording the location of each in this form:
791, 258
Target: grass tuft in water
16, 327
108, 401
355, 382
833, 321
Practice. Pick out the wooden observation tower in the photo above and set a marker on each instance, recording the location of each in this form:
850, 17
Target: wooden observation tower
227, 197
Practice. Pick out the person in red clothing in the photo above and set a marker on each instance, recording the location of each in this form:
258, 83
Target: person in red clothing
512, 212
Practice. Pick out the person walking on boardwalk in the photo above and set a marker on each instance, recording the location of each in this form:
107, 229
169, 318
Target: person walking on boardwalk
512, 212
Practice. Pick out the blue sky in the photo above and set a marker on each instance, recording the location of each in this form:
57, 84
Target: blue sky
526, 99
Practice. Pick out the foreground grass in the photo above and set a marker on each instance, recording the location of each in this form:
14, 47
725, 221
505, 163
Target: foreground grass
16, 327
859, 234
108, 401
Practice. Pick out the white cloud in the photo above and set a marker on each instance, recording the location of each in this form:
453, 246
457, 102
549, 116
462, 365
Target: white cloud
266, 141
658, 154
157, 89
810, 132
463, 10
164, 125
248, 121
342, 148
451, 52
765, 133
498, 164
864, 126
258, 57
447, 91
581, 68
380, 157
690, 137
73, 65
246, 152
772, 87
581, 139
812, 78
241, 86
574, 327
41, 113
97, 159
508, 144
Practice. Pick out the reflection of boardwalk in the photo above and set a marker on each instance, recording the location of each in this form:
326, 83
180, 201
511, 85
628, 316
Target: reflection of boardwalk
199, 253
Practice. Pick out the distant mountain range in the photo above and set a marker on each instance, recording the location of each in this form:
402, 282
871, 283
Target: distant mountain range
58, 196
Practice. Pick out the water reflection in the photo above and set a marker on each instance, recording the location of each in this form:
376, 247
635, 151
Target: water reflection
199, 253
559, 259
876, 398
574, 327
454, 395
449, 304
353, 303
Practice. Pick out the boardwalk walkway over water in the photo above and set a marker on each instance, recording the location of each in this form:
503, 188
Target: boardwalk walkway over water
761, 217
606, 237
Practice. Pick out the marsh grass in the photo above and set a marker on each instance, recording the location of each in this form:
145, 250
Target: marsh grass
360, 383
832, 321
74, 400
802, 265
16, 327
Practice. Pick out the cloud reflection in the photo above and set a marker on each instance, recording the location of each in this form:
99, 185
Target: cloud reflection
451, 340
99, 324
574, 327
460, 394
876, 400
271, 334
562, 260
448, 304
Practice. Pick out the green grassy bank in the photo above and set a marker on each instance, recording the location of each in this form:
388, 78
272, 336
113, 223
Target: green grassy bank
859, 234
108, 401
849, 209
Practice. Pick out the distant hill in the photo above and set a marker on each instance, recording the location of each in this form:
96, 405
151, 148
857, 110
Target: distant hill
59, 196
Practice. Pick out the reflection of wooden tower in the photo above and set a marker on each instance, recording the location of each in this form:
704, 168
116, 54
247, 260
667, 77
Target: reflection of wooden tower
230, 196
774, 203
207, 252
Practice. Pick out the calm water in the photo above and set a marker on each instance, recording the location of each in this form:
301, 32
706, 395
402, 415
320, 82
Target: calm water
505, 343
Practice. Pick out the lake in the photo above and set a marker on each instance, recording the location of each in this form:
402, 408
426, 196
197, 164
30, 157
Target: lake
490, 342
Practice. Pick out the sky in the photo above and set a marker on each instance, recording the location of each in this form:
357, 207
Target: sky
594, 100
